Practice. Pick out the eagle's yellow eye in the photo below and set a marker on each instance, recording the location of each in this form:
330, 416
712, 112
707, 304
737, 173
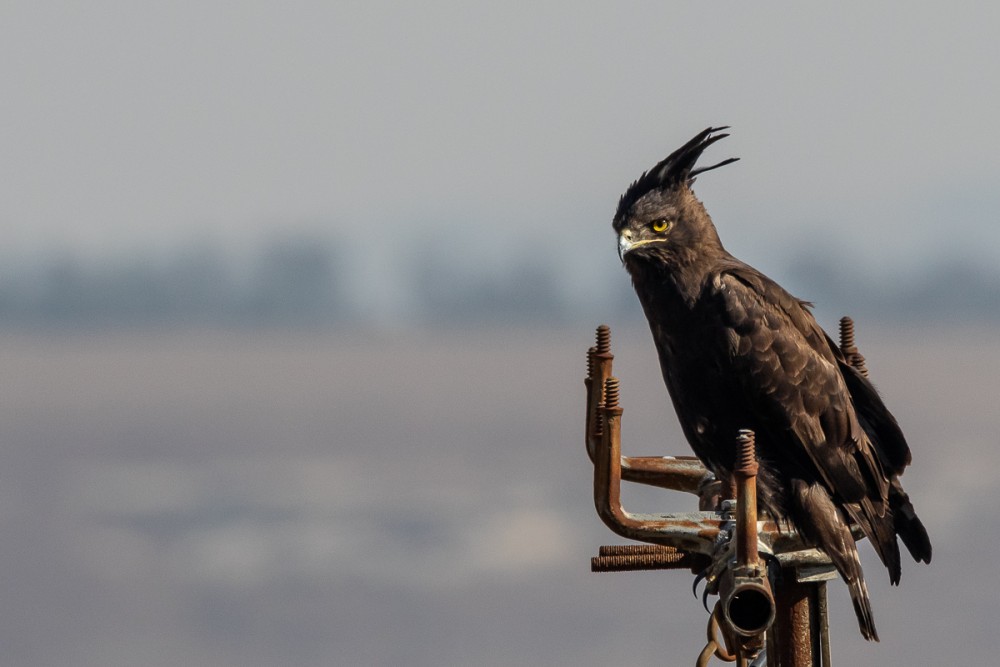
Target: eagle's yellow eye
661, 225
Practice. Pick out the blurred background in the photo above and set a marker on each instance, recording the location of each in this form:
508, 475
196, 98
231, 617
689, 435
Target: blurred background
295, 299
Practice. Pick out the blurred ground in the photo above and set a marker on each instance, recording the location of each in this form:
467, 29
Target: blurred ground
308, 499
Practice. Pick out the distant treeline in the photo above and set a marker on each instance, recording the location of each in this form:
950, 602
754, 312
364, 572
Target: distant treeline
304, 281
293, 281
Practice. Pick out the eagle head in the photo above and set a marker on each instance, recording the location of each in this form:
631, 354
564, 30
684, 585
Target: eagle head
658, 218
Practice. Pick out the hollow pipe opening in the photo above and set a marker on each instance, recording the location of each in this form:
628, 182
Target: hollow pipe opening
749, 609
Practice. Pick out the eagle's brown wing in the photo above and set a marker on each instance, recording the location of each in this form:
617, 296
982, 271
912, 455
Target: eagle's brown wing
791, 378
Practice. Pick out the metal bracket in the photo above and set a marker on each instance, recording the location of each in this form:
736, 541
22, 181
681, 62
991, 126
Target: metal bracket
691, 540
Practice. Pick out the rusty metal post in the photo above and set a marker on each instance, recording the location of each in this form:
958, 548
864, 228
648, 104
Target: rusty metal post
745, 473
792, 641
745, 597
607, 468
800, 635
822, 624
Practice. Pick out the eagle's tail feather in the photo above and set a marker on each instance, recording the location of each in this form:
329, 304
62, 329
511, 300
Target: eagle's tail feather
862, 605
822, 523
907, 525
880, 530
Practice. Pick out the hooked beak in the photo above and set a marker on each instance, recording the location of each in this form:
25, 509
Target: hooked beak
624, 245
627, 245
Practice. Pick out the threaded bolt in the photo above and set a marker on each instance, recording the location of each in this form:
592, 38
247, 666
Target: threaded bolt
590, 361
603, 339
635, 549
746, 455
666, 560
848, 347
858, 361
846, 333
611, 393
599, 420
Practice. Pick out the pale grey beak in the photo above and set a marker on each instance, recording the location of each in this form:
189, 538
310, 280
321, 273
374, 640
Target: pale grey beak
624, 244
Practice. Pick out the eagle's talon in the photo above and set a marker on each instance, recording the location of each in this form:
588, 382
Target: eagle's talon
710, 578
697, 580
725, 552
772, 567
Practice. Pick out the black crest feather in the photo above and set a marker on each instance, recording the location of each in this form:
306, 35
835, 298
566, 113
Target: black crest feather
674, 170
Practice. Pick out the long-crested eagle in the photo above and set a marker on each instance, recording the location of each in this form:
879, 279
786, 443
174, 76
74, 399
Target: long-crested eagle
739, 352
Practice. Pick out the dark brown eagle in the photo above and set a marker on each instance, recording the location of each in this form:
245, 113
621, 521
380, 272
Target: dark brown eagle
738, 351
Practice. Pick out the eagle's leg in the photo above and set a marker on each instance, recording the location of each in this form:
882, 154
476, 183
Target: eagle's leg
725, 552
723, 557
716, 487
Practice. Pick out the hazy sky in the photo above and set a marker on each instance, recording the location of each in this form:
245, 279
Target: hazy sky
128, 124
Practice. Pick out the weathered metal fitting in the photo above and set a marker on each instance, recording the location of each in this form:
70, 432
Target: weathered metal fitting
846, 333
665, 558
727, 509
598, 428
747, 603
603, 339
746, 455
858, 361
849, 348
634, 549
611, 393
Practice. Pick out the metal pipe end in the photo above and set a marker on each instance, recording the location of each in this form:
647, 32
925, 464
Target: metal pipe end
748, 607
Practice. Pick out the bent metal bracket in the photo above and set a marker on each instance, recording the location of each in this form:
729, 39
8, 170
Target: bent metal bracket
771, 585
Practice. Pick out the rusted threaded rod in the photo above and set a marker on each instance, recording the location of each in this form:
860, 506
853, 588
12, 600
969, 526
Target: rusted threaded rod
849, 348
846, 334
611, 393
603, 339
746, 599
627, 557
666, 560
634, 549
599, 360
745, 473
